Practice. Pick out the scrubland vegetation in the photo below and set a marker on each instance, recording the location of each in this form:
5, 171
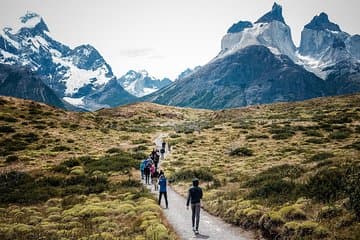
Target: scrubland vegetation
67, 175
288, 170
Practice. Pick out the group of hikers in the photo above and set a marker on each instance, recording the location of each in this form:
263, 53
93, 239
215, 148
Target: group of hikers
149, 168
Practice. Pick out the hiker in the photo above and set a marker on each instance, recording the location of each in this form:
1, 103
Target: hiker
153, 155
169, 147
162, 151
147, 172
154, 179
156, 161
194, 196
152, 169
142, 166
162, 189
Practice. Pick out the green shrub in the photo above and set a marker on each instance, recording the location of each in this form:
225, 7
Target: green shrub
241, 151
339, 134
7, 129
27, 137
353, 188
321, 156
60, 148
257, 136
174, 135
313, 133
188, 174
276, 191
130, 183
114, 150
276, 172
11, 158
140, 141
281, 133
316, 140
354, 145
6, 118
327, 185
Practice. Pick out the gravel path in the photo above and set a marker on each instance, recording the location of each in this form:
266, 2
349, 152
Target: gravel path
210, 227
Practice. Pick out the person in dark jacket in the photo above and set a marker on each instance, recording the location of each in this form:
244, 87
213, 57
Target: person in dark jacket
162, 189
194, 196
147, 172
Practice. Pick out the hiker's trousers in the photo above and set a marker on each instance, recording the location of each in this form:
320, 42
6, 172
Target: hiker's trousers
195, 209
165, 196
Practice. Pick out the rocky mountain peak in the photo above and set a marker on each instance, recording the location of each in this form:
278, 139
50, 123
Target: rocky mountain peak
274, 15
30, 21
239, 27
322, 22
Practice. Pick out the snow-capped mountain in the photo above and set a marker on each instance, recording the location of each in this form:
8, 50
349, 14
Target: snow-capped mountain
73, 74
140, 83
270, 31
259, 63
324, 47
20, 82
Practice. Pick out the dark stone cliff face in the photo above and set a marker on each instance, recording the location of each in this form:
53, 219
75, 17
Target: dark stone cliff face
251, 76
22, 83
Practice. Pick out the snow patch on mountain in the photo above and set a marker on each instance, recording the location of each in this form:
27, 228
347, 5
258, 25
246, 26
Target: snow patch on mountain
71, 73
141, 83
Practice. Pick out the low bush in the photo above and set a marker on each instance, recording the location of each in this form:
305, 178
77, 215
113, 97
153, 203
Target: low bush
353, 188
321, 156
316, 140
7, 118
241, 151
11, 158
277, 172
60, 148
354, 145
140, 141
339, 134
313, 133
257, 136
275, 191
188, 174
7, 129
114, 150
284, 132
327, 185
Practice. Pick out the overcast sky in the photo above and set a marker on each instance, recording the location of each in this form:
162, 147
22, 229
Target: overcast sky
166, 36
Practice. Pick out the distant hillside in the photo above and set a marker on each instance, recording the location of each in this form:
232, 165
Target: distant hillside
22, 83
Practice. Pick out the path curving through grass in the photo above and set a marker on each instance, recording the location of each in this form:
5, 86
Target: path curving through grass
211, 227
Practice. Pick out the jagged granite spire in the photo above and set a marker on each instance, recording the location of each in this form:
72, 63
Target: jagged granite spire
239, 27
33, 21
274, 15
322, 22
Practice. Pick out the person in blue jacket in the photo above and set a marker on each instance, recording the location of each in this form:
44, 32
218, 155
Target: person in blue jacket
162, 189
142, 167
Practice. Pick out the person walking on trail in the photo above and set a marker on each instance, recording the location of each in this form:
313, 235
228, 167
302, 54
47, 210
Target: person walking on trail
142, 167
147, 172
162, 151
162, 189
194, 196
154, 178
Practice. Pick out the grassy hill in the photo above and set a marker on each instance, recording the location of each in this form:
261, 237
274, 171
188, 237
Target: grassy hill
289, 169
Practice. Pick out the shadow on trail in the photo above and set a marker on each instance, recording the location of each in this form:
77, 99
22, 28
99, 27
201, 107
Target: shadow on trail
201, 236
